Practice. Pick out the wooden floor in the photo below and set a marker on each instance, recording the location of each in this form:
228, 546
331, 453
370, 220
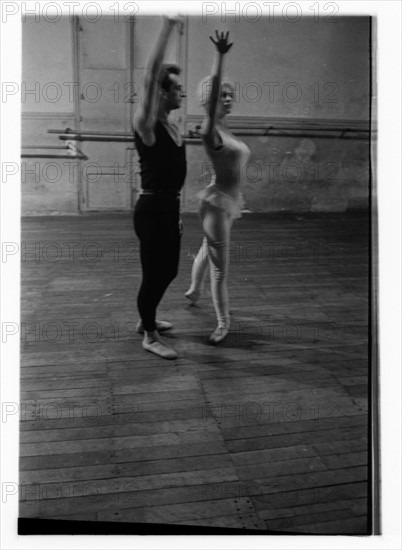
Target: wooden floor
267, 431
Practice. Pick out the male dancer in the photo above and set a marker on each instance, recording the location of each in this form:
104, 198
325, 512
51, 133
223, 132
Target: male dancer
163, 169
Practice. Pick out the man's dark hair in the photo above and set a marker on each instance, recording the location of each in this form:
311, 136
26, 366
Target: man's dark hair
166, 71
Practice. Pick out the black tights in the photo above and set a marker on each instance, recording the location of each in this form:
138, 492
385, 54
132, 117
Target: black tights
157, 228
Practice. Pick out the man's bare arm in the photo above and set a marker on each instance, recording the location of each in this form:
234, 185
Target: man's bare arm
145, 117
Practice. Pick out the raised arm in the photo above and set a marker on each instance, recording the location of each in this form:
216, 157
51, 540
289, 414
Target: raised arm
210, 135
145, 116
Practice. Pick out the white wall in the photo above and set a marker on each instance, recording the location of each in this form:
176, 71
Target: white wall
47, 66
327, 63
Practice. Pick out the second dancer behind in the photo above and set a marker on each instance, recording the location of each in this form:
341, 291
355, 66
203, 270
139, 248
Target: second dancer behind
221, 201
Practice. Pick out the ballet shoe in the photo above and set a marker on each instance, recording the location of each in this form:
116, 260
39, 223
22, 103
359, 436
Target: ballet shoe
219, 334
192, 295
159, 349
161, 326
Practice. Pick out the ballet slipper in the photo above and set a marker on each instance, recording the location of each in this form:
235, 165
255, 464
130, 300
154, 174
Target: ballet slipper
159, 348
161, 326
219, 334
193, 295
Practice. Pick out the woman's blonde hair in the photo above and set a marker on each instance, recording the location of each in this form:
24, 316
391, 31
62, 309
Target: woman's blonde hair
205, 87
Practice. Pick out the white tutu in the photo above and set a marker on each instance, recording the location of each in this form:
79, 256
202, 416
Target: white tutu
212, 195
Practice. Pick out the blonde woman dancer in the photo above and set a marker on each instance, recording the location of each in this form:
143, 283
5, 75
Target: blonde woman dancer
221, 201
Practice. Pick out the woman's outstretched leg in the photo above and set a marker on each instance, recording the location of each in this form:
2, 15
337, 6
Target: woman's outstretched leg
198, 272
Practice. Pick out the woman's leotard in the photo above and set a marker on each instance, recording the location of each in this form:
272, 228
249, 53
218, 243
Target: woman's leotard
229, 161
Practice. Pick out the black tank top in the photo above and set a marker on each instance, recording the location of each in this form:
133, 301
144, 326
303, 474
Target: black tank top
163, 164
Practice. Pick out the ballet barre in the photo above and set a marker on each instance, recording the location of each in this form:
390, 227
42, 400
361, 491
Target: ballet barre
310, 131
360, 130
68, 134
71, 152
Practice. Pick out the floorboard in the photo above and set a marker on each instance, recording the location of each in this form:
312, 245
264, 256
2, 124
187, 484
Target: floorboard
267, 431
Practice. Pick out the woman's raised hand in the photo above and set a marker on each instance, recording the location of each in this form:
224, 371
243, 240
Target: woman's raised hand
221, 43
